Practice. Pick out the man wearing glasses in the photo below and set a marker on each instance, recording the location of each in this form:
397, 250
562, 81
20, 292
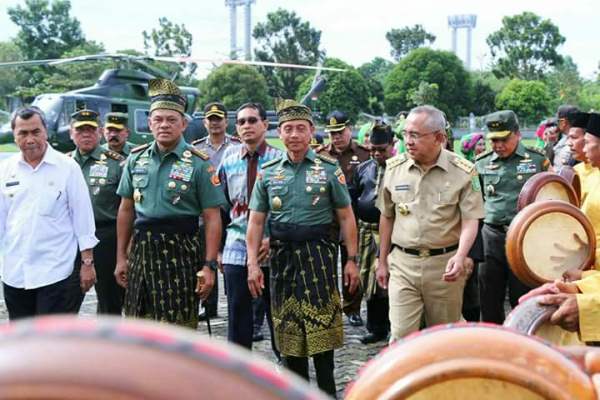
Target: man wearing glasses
367, 181
561, 151
430, 204
237, 172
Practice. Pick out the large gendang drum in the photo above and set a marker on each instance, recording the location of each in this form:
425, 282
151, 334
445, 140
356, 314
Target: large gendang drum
546, 186
530, 318
471, 362
548, 238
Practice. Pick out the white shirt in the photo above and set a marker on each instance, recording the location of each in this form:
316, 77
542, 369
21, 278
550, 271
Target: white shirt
45, 216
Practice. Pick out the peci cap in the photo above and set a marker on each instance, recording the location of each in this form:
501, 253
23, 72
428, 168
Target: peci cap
85, 117
115, 120
165, 94
501, 124
593, 125
215, 108
381, 133
291, 110
578, 119
336, 121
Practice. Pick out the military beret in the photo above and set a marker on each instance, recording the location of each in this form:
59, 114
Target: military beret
84, 117
593, 125
215, 108
336, 121
500, 124
115, 120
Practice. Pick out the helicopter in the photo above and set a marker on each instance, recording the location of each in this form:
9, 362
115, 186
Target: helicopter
125, 90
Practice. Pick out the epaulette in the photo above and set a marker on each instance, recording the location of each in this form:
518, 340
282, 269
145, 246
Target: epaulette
462, 163
271, 162
199, 140
536, 150
114, 155
327, 159
199, 153
484, 154
140, 148
363, 147
396, 160
319, 148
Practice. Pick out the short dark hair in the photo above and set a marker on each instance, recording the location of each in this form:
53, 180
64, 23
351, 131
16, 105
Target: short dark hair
257, 106
26, 113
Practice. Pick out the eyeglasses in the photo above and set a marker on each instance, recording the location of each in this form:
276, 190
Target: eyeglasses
415, 135
380, 149
250, 120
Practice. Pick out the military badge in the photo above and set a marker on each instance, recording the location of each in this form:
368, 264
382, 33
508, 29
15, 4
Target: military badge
181, 172
340, 176
99, 171
214, 179
332, 121
276, 203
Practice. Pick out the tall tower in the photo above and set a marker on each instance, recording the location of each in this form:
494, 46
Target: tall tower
233, 4
467, 21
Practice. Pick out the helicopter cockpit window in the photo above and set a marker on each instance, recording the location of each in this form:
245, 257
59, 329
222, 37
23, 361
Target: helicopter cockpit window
141, 121
51, 105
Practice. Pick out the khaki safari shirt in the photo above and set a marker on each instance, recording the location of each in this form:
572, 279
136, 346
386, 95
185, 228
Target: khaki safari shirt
428, 206
177, 184
303, 193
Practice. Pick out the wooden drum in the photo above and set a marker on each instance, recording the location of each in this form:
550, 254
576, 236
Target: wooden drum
471, 361
546, 186
530, 318
571, 176
548, 238
111, 358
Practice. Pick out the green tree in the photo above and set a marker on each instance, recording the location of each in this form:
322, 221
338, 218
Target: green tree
483, 98
525, 46
375, 73
528, 99
347, 91
46, 29
590, 95
433, 66
404, 40
10, 78
234, 85
564, 84
285, 38
425, 93
169, 40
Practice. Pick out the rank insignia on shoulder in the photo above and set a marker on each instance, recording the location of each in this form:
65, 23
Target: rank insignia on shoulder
327, 159
197, 141
396, 160
270, 163
199, 153
340, 176
462, 163
140, 148
113, 155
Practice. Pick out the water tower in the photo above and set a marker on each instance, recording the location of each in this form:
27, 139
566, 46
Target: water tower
462, 21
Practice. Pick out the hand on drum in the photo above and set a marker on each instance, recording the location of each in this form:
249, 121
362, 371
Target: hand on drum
552, 288
454, 268
567, 315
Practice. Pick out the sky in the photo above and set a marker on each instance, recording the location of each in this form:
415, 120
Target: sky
353, 31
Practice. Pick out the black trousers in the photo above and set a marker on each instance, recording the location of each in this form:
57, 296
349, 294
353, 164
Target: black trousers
240, 324
495, 276
378, 309
61, 297
471, 310
324, 367
110, 294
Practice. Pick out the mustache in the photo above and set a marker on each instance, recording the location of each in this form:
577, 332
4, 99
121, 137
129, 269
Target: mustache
113, 139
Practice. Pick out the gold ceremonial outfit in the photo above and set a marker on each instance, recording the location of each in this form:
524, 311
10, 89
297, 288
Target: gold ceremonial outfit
588, 303
588, 176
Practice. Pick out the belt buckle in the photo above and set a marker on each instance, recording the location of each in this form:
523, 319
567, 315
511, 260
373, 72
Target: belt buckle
424, 253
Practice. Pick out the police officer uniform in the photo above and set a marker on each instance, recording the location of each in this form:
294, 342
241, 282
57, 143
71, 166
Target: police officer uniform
118, 121
102, 170
561, 150
169, 191
349, 159
502, 180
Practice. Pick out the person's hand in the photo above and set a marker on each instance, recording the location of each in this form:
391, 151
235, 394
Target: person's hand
567, 315
351, 276
469, 267
87, 277
263, 251
382, 274
572, 275
256, 280
121, 272
205, 283
551, 288
454, 268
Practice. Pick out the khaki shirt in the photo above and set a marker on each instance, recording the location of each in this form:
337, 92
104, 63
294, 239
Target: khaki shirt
428, 206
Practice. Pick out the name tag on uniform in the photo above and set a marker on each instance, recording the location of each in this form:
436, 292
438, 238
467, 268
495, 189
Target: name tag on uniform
13, 183
99, 171
402, 188
140, 171
316, 176
182, 172
526, 168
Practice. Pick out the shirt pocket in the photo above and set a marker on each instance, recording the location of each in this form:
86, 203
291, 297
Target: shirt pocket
140, 181
403, 196
50, 202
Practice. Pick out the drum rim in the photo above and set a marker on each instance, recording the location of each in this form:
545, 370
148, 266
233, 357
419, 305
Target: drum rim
533, 185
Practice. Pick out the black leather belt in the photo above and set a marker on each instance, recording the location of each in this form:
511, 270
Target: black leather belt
182, 225
426, 252
501, 228
287, 232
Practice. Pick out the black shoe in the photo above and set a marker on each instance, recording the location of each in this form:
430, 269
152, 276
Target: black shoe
257, 337
373, 338
355, 320
207, 313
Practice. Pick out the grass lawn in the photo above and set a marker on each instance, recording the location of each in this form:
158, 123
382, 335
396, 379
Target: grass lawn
7, 148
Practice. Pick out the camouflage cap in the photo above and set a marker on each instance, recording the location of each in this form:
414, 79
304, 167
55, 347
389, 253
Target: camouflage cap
336, 121
84, 117
291, 110
501, 124
115, 120
215, 108
166, 95
593, 125
578, 119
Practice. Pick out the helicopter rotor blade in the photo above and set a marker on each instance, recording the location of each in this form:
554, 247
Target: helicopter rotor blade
243, 62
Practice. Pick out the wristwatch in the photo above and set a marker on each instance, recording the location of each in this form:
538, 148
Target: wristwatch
212, 264
88, 262
352, 258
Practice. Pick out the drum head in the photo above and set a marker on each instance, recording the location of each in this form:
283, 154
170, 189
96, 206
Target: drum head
546, 186
531, 318
547, 239
471, 361
571, 176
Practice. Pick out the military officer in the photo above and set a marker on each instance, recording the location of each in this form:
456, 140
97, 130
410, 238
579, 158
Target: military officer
166, 185
300, 192
367, 181
430, 205
116, 133
102, 170
349, 154
503, 170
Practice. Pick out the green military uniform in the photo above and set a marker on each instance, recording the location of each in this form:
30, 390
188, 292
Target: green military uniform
502, 180
305, 300
125, 151
170, 191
